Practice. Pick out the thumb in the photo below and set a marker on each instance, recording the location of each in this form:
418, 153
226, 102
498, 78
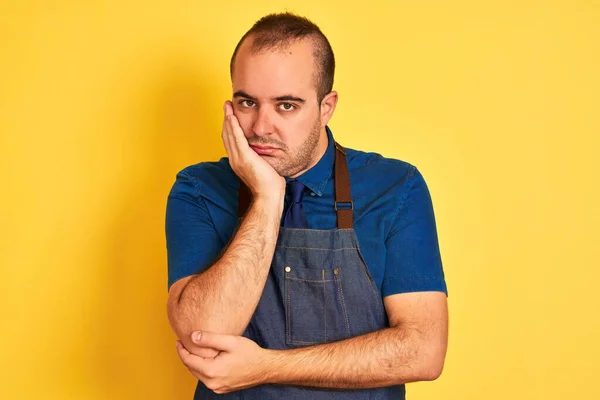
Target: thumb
214, 340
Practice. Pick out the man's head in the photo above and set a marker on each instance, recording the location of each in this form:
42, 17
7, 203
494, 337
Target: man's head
282, 76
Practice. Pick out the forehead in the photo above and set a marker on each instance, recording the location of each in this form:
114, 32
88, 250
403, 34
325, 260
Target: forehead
274, 72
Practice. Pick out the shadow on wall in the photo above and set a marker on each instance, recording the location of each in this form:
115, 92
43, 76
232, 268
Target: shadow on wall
176, 124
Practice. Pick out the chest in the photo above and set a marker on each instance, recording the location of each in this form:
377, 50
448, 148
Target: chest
373, 213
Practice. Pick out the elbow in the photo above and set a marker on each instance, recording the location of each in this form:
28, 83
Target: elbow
182, 316
176, 320
178, 309
432, 371
432, 366
183, 329
423, 369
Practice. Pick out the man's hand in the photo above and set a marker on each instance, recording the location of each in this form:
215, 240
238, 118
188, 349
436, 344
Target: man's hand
241, 363
260, 177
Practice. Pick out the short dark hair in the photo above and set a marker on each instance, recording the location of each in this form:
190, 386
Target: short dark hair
279, 30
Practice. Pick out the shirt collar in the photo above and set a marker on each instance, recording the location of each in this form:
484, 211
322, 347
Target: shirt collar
316, 177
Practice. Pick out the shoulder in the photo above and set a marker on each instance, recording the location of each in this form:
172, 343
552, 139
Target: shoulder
206, 179
386, 180
207, 172
370, 165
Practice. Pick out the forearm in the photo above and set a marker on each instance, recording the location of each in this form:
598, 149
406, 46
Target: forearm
223, 298
383, 358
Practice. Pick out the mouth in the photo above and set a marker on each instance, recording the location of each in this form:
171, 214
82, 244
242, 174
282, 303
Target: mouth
263, 150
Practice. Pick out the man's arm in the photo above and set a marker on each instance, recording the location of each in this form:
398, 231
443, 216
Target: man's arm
223, 297
412, 349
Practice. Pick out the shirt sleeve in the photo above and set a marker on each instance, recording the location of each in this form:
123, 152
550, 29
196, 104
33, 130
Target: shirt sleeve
192, 240
413, 261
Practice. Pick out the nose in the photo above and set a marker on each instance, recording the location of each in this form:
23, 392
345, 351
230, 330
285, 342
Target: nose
262, 124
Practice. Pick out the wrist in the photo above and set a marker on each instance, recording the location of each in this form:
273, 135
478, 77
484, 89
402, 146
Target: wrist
272, 366
270, 201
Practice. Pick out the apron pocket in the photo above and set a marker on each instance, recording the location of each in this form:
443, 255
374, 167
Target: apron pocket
315, 309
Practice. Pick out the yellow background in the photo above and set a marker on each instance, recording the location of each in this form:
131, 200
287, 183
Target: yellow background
101, 103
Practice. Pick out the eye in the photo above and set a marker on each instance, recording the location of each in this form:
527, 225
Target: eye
247, 103
286, 106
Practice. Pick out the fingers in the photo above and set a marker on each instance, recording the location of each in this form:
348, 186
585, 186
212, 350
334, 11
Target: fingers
205, 352
232, 122
182, 351
226, 137
214, 340
237, 133
234, 140
226, 134
198, 366
228, 108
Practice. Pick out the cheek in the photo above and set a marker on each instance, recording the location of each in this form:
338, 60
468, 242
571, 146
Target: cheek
296, 130
245, 121
294, 137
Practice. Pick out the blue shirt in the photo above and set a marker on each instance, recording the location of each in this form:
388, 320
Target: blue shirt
393, 218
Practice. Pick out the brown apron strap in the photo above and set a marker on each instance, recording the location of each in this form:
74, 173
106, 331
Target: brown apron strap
343, 200
343, 205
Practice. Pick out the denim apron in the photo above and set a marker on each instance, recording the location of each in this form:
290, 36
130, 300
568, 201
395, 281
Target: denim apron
318, 290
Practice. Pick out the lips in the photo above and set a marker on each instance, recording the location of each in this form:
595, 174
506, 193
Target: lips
265, 150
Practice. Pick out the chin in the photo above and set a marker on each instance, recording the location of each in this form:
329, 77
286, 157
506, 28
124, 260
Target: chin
280, 165
272, 161
282, 170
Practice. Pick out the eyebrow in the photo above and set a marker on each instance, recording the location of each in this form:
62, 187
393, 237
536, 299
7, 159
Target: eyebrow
287, 97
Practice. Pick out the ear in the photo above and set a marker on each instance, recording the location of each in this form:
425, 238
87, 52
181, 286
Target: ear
328, 107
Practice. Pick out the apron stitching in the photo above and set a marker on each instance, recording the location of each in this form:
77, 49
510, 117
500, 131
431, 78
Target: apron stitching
343, 301
289, 311
365, 267
310, 229
309, 280
301, 342
314, 248
373, 288
324, 305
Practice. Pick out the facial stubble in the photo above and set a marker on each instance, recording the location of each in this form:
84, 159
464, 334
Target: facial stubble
304, 155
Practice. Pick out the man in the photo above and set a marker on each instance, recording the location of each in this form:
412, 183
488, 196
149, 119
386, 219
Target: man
299, 269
